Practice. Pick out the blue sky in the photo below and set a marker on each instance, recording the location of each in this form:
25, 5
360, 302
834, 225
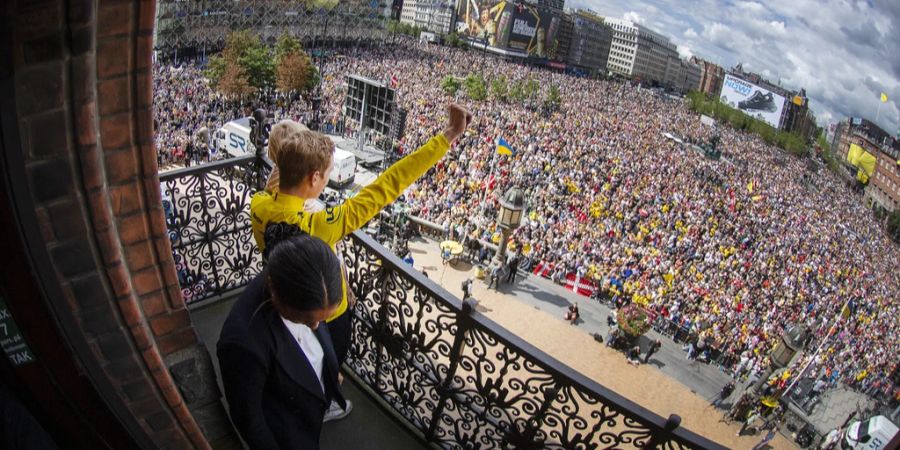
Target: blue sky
845, 54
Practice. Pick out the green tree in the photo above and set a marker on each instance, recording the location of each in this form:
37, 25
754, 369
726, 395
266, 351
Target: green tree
553, 99
790, 142
476, 87
238, 43
450, 85
500, 88
531, 89
286, 45
234, 84
215, 69
293, 72
517, 91
242, 48
259, 66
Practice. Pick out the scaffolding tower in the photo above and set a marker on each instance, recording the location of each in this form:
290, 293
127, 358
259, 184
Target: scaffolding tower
203, 25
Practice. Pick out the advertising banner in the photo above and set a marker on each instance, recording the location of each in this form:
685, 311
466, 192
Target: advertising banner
534, 31
480, 19
521, 27
752, 100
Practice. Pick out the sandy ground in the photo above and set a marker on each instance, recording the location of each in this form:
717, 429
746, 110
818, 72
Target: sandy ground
644, 385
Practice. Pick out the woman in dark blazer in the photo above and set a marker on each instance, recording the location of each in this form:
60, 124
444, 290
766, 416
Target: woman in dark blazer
279, 381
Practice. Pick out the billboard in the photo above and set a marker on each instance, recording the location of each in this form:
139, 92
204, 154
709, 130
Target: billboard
752, 100
515, 26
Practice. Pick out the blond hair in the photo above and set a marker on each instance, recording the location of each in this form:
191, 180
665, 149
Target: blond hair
298, 152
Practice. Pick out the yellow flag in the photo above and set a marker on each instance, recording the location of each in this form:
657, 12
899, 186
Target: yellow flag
883, 97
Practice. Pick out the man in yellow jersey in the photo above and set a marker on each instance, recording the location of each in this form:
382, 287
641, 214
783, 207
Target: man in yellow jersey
303, 162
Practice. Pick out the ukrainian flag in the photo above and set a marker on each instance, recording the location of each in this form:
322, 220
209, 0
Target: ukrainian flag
504, 148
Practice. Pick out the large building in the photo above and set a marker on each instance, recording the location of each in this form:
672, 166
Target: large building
883, 188
431, 15
655, 58
641, 53
555, 6
688, 77
623, 48
590, 42
711, 76
192, 27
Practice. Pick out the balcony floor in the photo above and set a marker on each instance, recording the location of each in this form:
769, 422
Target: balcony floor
368, 427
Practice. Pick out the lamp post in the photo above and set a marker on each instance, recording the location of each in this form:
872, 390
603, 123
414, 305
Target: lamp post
781, 356
512, 204
484, 41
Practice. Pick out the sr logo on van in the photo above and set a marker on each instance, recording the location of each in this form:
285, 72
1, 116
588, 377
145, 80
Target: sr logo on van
237, 142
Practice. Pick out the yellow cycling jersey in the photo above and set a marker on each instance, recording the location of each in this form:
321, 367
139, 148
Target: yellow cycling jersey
333, 224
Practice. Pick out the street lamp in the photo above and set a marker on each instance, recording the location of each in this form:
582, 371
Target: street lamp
512, 204
484, 37
791, 342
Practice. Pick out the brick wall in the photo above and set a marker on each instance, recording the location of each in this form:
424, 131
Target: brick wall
83, 93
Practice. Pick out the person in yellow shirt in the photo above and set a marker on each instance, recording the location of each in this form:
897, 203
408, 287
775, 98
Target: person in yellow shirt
304, 160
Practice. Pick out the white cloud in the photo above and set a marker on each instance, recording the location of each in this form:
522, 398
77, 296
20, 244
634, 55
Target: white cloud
843, 53
685, 52
633, 16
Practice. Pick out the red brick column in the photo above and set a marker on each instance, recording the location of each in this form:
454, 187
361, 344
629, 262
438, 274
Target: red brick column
83, 99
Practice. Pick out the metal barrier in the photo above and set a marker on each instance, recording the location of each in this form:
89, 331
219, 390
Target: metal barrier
454, 377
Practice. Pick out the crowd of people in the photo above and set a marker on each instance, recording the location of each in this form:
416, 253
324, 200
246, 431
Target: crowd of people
184, 105
732, 251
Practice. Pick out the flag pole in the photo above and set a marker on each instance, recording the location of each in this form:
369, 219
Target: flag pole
831, 331
878, 112
488, 179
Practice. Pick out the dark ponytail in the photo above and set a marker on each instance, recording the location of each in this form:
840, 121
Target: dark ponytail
304, 273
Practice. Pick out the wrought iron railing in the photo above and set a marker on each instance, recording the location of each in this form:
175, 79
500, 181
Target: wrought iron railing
207, 210
456, 379
464, 382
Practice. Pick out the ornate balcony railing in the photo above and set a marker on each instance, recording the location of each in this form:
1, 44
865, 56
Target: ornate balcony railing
456, 379
207, 210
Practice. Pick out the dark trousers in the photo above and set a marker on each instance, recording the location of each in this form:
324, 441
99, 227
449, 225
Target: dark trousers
340, 330
511, 278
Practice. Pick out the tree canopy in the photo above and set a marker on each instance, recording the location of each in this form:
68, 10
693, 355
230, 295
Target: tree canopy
246, 65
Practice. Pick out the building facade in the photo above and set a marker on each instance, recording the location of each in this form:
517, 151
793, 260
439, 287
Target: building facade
656, 58
623, 46
690, 77
884, 187
711, 77
641, 53
555, 6
590, 42
861, 132
193, 27
564, 37
436, 16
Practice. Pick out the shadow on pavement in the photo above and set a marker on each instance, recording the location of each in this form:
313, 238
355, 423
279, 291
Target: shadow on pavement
538, 294
658, 364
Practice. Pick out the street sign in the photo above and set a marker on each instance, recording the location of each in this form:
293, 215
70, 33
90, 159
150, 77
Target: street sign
11, 339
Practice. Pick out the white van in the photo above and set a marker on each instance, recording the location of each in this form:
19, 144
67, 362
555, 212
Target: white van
234, 139
344, 171
872, 434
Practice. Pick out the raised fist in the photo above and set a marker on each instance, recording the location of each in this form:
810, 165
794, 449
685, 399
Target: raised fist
458, 119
